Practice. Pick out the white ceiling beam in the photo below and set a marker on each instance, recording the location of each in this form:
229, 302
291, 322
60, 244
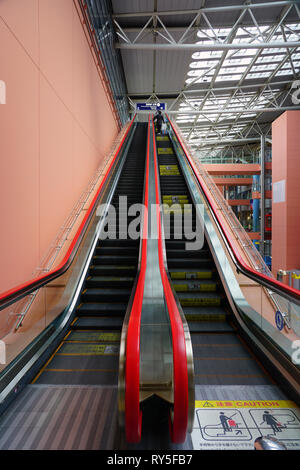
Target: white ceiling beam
207, 9
234, 110
217, 89
206, 47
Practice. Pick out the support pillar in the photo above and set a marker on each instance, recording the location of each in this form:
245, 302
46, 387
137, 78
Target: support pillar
285, 192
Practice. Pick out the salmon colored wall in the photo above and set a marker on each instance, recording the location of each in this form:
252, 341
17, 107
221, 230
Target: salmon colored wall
232, 168
285, 215
55, 127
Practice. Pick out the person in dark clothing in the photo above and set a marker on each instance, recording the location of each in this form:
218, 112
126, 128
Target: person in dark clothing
158, 118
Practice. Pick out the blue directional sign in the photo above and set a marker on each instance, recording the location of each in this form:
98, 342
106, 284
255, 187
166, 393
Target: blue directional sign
279, 320
150, 106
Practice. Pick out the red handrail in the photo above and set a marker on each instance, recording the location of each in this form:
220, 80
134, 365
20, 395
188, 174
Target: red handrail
294, 293
16, 293
133, 414
178, 428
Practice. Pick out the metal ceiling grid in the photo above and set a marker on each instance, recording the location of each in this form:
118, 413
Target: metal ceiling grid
226, 68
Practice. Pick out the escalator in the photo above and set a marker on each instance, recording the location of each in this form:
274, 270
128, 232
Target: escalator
89, 352
220, 355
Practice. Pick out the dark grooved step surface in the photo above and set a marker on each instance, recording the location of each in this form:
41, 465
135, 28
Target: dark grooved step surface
89, 353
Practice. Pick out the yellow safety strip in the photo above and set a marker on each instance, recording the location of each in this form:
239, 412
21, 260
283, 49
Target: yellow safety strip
86, 349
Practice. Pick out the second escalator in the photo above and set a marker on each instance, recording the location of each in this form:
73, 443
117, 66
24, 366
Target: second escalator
220, 355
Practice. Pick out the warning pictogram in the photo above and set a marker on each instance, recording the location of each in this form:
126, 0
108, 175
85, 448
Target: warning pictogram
236, 424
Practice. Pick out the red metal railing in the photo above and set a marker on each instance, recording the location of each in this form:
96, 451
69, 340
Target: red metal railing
133, 414
179, 423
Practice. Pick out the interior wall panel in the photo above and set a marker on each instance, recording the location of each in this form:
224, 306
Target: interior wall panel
55, 128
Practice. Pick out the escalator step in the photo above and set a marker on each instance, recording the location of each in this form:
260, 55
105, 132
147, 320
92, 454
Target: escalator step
94, 336
191, 274
103, 323
188, 262
112, 260
112, 270
101, 309
196, 314
101, 281
195, 286
196, 299
104, 295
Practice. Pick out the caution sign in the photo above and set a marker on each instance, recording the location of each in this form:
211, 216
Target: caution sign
235, 425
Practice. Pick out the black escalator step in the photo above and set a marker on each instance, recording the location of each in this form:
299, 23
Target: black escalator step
189, 263
113, 281
199, 314
96, 323
105, 295
195, 254
115, 260
119, 243
210, 326
102, 309
112, 270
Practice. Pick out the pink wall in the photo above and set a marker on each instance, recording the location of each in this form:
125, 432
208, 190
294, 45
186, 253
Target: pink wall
285, 212
55, 127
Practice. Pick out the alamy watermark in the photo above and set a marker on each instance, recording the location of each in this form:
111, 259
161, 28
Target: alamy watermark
2, 92
296, 93
180, 221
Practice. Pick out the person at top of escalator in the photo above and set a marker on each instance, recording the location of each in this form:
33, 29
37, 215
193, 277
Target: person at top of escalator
158, 118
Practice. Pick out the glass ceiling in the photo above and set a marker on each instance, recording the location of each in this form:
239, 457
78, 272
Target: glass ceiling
235, 69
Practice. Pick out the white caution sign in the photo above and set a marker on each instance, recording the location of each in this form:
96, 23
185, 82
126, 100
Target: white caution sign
235, 425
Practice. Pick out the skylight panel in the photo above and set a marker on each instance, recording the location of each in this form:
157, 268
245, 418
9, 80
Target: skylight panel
258, 75
232, 69
239, 61
257, 68
272, 58
202, 79
203, 64
233, 77
284, 72
206, 54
